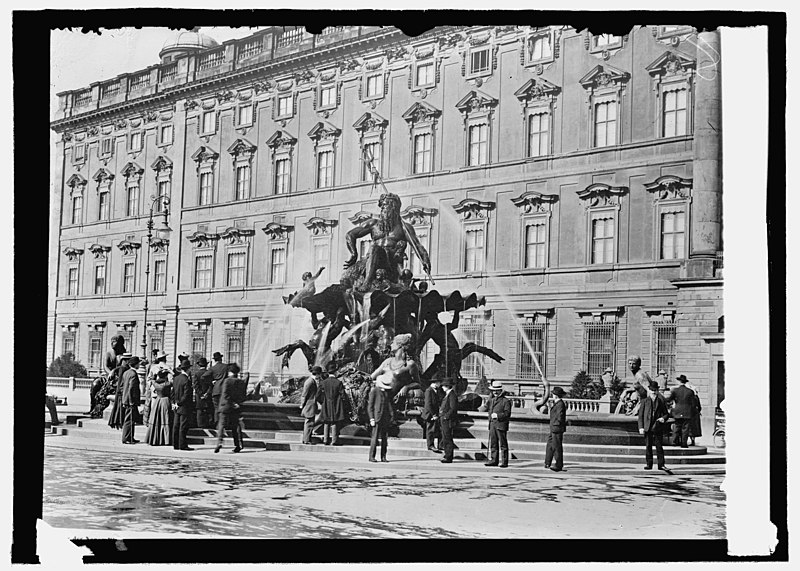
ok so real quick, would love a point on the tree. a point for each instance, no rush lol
(617, 386)
(66, 366)
(585, 387)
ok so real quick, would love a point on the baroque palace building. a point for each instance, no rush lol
(573, 179)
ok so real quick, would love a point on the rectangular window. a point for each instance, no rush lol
(105, 206)
(236, 266)
(599, 345)
(675, 113)
(327, 96)
(284, 105)
(133, 199)
(664, 348)
(321, 253)
(535, 245)
(242, 182)
(205, 188)
(472, 366)
(95, 350)
(478, 145)
(425, 74)
(156, 342)
(324, 169)
(166, 134)
(209, 121)
(68, 343)
(374, 87)
(105, 146)
(136, 141)
(79, 152)
(202, 272)
(474, 250)
(72, 282)
(673, 232)
(539, 135)
(371, 150)
(163, 192)
(605, 123)
(77, 209)
(100, 279)
(479, 61)
(159, 275)
(234, 349)
(127, 277)
(536, 335)
(414, 263)
(364, 245)
(199, 343)
(278, 265)
(422, 153)
(539, 47)
(245, 115)
(603, 40)
(603, 241)
(281, 176)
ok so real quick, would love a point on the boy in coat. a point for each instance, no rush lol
(308, 402)
(379, 408)
(498, 411)
(558, 425)
(430, 414)
(182, 404)
(329, 397)
(653, 414)
(448, 414)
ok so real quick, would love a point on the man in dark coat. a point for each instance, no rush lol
(379, 408)
(230, 400)
(448, 415)
(558, 425)
(430, 414)
(216, 375)
(131, 395)
(330, 398)
(308, 402)
(182, 404)
(683, 411)
(653, 414)
(202, 393)
(498, 411)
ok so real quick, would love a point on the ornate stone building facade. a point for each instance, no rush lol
(573, 179)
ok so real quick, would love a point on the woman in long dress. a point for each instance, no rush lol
(159, 429)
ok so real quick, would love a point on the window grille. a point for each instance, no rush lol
(199, 342)
(109, 90)
(599, 348)
(202, 271)
(83, 98)
(472, 366)
(68, 343)
(290, 37)
(479, 61)
(139, 81)
(210, 60)
(251, 47)
(156, 342)
(664, 348)
(236, 267)
(536, 333)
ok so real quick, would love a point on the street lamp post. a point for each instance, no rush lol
(164, 232)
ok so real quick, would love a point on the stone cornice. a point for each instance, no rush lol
(319, 225)
(236, 235)
(415, 214)
(277, 231)
(533, 201)
(471, 208)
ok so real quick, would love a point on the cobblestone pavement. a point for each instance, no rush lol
(223, 496)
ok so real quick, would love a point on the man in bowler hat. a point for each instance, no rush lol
(448, 415)
(683, 411)
(653, 414)
(499, 411)
(182, 404)
(131, 395)
(216, 375)
(430, 414)
(554, 451)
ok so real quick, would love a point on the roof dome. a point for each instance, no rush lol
(187, 42)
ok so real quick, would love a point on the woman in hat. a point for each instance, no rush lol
(499, 411)
(159, 429)
(399, 369)
(117, 410)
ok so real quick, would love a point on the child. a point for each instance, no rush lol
(558, 425)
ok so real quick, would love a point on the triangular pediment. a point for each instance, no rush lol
(241, 146)
(475, 100)
(203, 154)
(420, 111)
(131, 168)
(76, 180)
(280, 138)
(601, 75)
(324, 129)
(536, 88)
(671, 62)
(369, 121)
(161, 163)
(103, 174)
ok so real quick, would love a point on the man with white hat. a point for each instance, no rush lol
(379, 407)
(498, 411)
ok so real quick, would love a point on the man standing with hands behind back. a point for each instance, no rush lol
(131, 395)
(216, 375)
(499, 411)
(653, 414)
(182, 401)
(448, 413)
(558, 426)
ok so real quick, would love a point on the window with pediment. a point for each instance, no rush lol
(199, 333)
(237, 251)
(74, 255)
(477, 110)
(536, 209)
(284, 103)
(282, 147)
(421, 219)
(475, 221)
(371, 129)
(673, 82)
(133, 180)
(206, 160)
(321, 232)
(374, 82)
(422, 122)
(540, 47)
(672, 197)
(106, 147)
(236, 341)
(538, 100)
(129, 249)
(242, 153)
(325, 137)
(602, 203)
(162, 167)
(479, 57)
(69, 338)
(204, 253)
(605, 88)
(424, 69)
(328, 92)
(104, 179)
(77, 190)
(278, 251)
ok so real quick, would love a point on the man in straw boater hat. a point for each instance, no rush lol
(499, 411)
(554, 451)
(448, 415)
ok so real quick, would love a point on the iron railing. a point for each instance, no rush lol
(537, 335)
